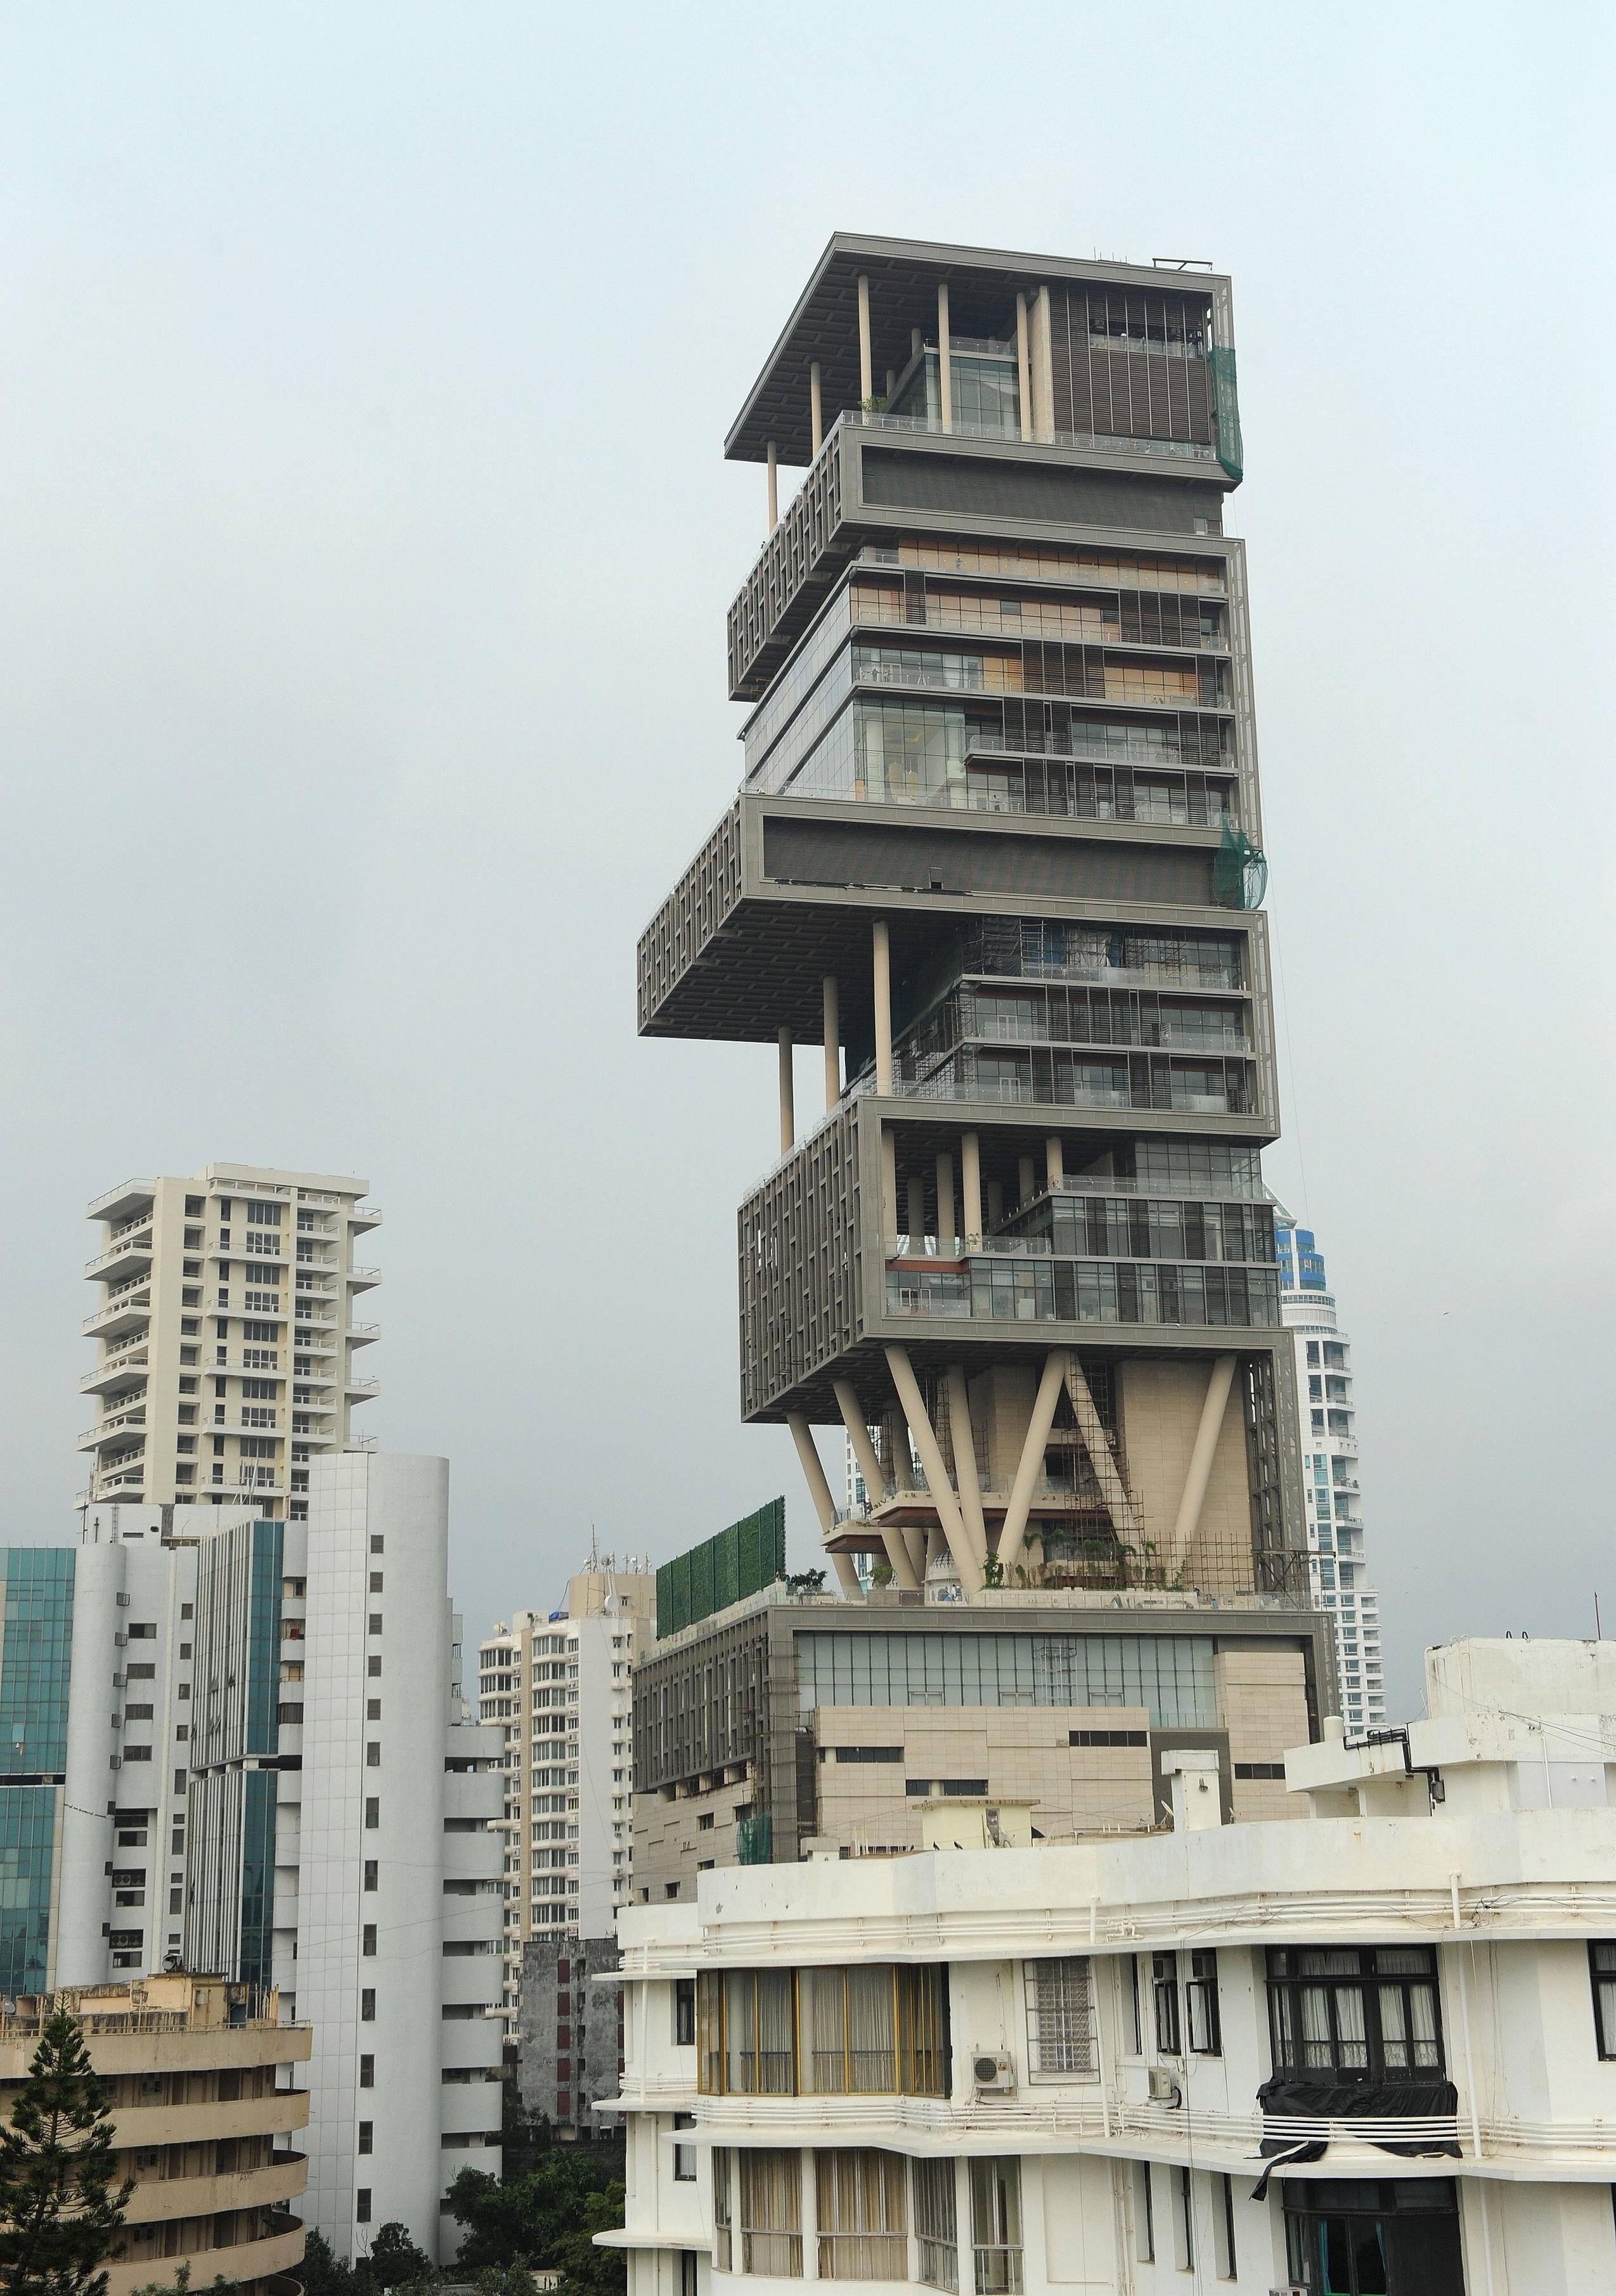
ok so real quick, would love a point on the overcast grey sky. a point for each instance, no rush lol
(365, 546)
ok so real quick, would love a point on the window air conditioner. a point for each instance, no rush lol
(993, 2072)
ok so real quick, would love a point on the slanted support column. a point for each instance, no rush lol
(967, 1559)
(1023, 368)
(788, 1096)
(1212, 1410)
(1054, 1161)
(945, 1198)
(833, 1042)
(965, 1456)
(866, 363)
(824, 1505)
(1027, 1474)
(899, 1552)
(815, 408)
(773, 488)
(971, 1188)
(882, 953)
(945, 364)
(1118, 1500)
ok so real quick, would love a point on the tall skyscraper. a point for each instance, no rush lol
(995, 855)
(226, 1336)
(1328, 1405)
(556, 1686)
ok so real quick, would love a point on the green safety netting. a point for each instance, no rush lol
(1226, 405)
(1240, 870)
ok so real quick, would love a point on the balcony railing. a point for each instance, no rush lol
(1045, 1290)
(1023, 1092)
(1088, 442)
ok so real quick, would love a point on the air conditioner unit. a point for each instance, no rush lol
(993, 2073)
(1164, 2088)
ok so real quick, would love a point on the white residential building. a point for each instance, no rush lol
(1328, 1402)
(557, 1685)
(1376, 2051)
(226, 1335)
(269, 1775)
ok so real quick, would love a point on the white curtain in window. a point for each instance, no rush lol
(863, 2221)
(771, 2212)
(936, 2225)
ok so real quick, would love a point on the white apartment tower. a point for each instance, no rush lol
(226, 1336)
(1328, 1410)
(269, 1773)
(559, 1686)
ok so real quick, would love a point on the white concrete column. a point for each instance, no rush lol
(1043, 367)
(1027, 1474)
(945, 1197)
(815, 408)
(866, 365)
(824, 1505)
(1023, 368)
(774, 489)
(970, 1189)
(945, 364)
(960, 1544)
(859, 1436)
(788, 1096)
(1218, 1383)
(889, 1182)
(882, 952)
(833, 1042)
(915, 1191)
(1055, 1162)
(811, 2215)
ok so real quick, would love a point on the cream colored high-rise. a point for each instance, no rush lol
(227, 1335)
(561, 1688)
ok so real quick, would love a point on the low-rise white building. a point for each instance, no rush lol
(1372, 2052)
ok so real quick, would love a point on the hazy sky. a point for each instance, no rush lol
(367, 543)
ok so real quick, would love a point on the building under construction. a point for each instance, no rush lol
(997, 852)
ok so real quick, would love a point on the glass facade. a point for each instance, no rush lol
(1171, 1675)
(28, 1841)
(34, 1660)
(257, 1876)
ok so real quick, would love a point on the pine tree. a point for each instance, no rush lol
(61, 2215)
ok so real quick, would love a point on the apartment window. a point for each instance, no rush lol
(1135, 2008)
(367, 1940)
(372, 1709)
(375, 1582)
(936, 2225)
(1363, 2237)
(367, 2072)
(684, 2012)
(1164, 2003)
(367, 2006)
(1602, 1974)
(373, 1667)
(720, 2210)
(373, 1754)
(362, 2205)
(1184, 2220)
(864, 2031)
(704, 1823)
(1361, 2013)
(369, 1873)
(375, 1623)
(863, 2215)
(377, 1542)
(996, 2226)
(1223, 2228)
(366, 2130)
(1201, 2004)
(684, 2155)
(771, 2212)
(372, 1812)
(1060, 2016)
(1145, 2214)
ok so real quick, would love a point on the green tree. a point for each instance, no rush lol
(60, 2213)
(530, 2220)
(322, 2272)
(394, 2260)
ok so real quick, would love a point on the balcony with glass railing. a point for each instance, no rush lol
(1025, 1289)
